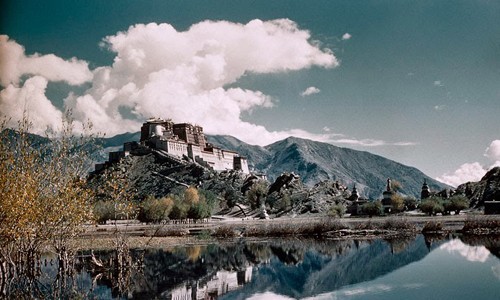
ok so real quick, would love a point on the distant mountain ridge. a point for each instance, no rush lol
(313, 161)
(317, 161)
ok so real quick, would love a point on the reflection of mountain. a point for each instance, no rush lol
(319, 273)
(293, 268)
(288, 267)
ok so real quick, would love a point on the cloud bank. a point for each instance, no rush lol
(159, 71)
(471, 253)
(346, 36)
(29, 96)
(473, 171)
(310, 91)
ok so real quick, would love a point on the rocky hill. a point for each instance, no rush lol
(316, 161)
(487, 189)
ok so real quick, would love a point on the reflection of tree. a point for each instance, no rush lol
(292, 267)
(399, 244)
(257, 253)
(431, 238)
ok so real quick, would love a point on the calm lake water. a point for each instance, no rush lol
(415, 268)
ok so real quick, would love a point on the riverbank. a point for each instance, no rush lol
(140, 235)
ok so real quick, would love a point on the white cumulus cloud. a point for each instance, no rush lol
(465, 173)
(159, 71)
(14, 63)
(493, 151)
(439, 107)
(30, 99)
(346, 36)
(310, 91)
(473, 171)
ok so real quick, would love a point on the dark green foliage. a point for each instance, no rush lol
(103, 211)
(458, 203)
(435, 205)
(284, 202)
(432, 226)
(199, 211)
(432, 206)
(179, 210)
(230, 197)
(210, 199)
(398, 224)
(372, 208)
(224, 232)
(155, 210)
(410, 203)
(257, 193)
(337, 210)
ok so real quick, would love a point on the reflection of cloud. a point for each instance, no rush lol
(268, 295)
(471, 253)
(496, 271)
(356, 291)
(369, 289)
(438, 83)
(310, 91)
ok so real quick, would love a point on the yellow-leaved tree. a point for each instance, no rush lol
(43, 194)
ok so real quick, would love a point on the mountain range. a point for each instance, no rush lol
(313, 161)
(316, 161)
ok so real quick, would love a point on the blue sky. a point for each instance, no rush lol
(415, 81)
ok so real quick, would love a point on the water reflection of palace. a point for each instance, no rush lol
(221, 283)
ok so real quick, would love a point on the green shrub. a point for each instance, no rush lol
(257, 193)
(155, 210)
(224, 232)
(410, 203)
(372, 208)
(336, 211)
(398, 224)
(103, 211)
(199, 211)
(179, 210)
(432, 226)
(432, 206)
(459, 203)
(397, 203)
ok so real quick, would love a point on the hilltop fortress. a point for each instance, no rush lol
(180, 141)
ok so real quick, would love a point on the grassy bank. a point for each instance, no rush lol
(147, 235)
